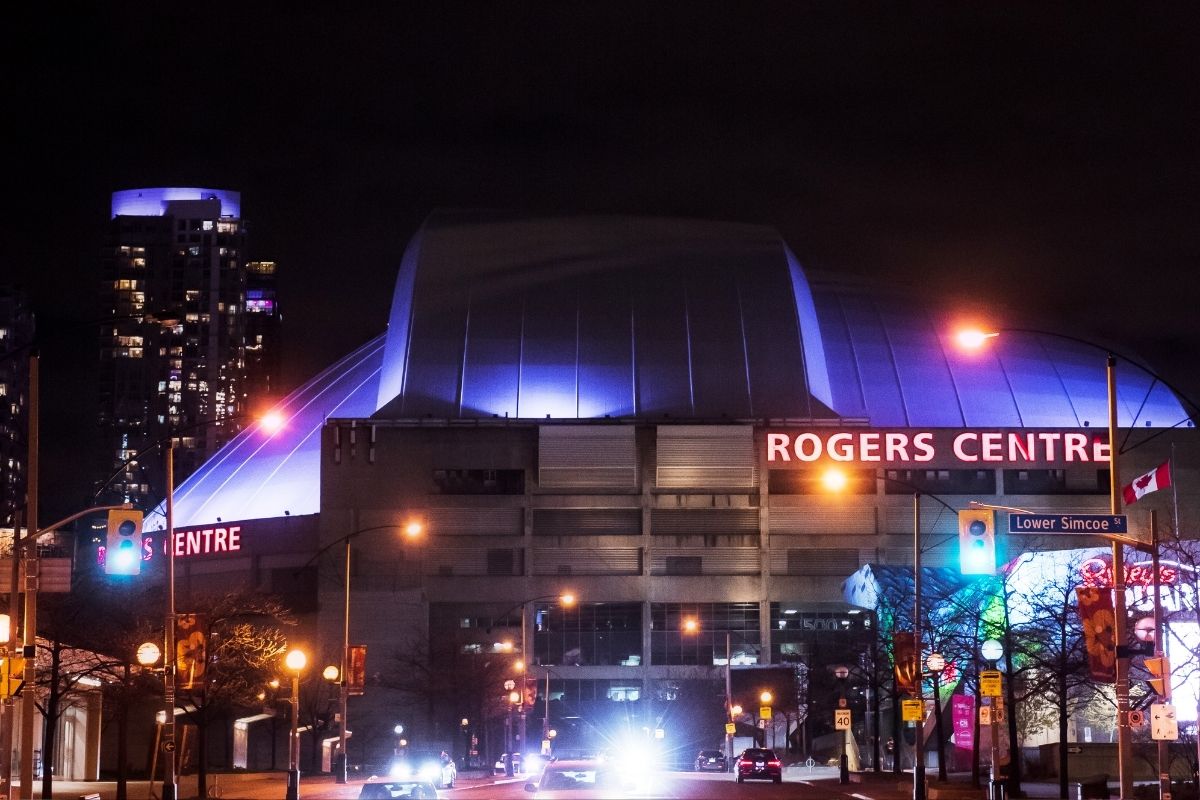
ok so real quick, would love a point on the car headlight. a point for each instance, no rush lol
(430, 771)
(532, 764)
(400, 770)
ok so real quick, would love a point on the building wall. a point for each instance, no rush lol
(673, 517)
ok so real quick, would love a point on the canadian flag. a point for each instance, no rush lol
(1152, 481)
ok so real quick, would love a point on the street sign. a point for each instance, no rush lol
(989, 683)
(911, 710)
(841, 719)
(1163, 725)
(1068, 523)
(985, 715)
(730, 728)
(764, 712)
(842, 703)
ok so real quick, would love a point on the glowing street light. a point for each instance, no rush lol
(295, 661)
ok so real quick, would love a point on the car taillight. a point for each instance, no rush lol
(774, 762)
(744, 762)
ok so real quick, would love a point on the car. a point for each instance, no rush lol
(577, 778)
(759, 763)
(711, 760)
(436, 768)
(502, 762)
(386, 790)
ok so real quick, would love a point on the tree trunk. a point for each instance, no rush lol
(123, 733)
(1014, 748)
(50, 719)
(1062, 709)
(202, 754)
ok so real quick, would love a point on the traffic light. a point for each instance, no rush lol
(1159, 669)
(123, 549)
(977, 542)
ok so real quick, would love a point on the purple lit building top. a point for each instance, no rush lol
(153, 202)
(499, 317)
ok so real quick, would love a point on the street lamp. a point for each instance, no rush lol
(974, 340)
(842, 672)
(295, 661)
(834, 480)
(691, 625)
(935, 663)
(412, 528)
(566, 599)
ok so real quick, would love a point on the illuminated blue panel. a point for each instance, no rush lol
(845, 384)
(773, 348)
(550, 354)
(815, 362)
(491, 373)
(153, 202)
(605, 347)
(925, 385)
(391, 375)
(872, 354)
(982, 386)
(257, 476)
(719, 377)
(660, 336)
(435, 351)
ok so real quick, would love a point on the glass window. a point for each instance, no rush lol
(674, 640)
(588, 634)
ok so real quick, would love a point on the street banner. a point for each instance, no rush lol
(962, 712)
(904, 662)
(356, 669)
(1096, 615)
(191, 652)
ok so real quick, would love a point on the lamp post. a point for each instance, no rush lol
(413, 529)
(566, 600)
(842, 672)
(691, 625)
(295, 662)
(936, 662)
(765, 698)
(836, 480)
(973, 340)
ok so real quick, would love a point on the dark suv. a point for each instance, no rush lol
(759, 763)
(711, 760)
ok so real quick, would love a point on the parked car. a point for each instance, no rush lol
(759, 763)
(711, 761)
(502, 763)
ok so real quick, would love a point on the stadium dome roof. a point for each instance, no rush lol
(497, 316)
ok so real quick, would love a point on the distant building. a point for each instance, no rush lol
(16, 333)
(175, 280)
(262, 331)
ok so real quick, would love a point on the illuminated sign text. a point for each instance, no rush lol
(206, 541)
(1097, 572)
(922, 447)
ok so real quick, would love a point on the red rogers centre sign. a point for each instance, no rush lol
(941, 446)
(207, 541)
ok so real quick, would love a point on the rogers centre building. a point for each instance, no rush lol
(637, 411)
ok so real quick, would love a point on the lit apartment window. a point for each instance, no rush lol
(194, 250)
(207, 225)
(139, 262)
(191, 294)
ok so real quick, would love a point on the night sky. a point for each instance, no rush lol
(1038, 163)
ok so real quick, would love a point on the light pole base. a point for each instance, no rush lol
(918, 778)
(170, 791)
(844, 769)
(293, 785)
(339, 768)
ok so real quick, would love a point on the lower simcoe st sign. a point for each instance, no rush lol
(1068, 523)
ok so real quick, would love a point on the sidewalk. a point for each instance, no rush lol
(234, 786)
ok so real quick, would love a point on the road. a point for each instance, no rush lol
(819, 784)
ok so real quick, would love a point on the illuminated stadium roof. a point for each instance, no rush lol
(649, 319)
